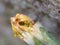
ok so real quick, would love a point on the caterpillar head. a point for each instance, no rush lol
(21, 23)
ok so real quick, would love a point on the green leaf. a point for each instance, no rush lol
(37, 42)
(48, 38)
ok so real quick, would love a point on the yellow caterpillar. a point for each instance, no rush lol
(21, 23)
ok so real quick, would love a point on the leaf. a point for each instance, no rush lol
(37, 42)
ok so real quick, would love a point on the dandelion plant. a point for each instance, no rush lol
(33, 33)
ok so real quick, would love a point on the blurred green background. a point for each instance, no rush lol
(47, 12)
